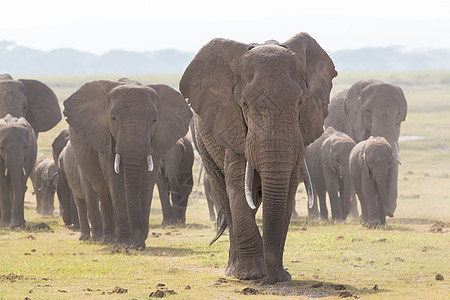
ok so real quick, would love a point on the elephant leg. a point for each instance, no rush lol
(107, 216)
(5, 203)
(73, 211)
(83, 217)
(163, 189)
(38, 202)
(93, 213)
(248, 259)
(353, 210)
(370, 200)
(209, 201)
(322, 195)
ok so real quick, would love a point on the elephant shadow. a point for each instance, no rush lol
(155, 251)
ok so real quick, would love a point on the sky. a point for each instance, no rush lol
(99, 26)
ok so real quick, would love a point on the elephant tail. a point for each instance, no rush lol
(221, 230)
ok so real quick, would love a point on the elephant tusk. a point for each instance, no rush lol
(308, 185)
(397, 154)
(6, 172)
(150, 163)
(24, 172)
(117, 164)
(248, 186)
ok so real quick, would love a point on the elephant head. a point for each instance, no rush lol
(18, 150)
(265, 102)
(30, 99)
(45, 177)
(378, 162)
(135, 123)
(375, 108)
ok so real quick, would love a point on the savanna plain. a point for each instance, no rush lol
(326, 260)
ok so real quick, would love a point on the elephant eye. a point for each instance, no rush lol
(155, 120)
(113, 118)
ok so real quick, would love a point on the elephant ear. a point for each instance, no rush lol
(208, 83)
(326, 153)
(59, 143)
(43, 111)
(85, 112)
(174, 116)
(320, 72)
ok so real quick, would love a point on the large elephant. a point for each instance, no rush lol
(371, 167)
(45, 176)
(371, 108)
(67, 206)
(18, 150)
(175, 181)
(119, 131)
(327, 160)
(30, 99)
(84, 195)
(256, 107)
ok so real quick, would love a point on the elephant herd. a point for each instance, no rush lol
(258, 117)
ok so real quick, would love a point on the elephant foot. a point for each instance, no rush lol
(107, 239)
(97, 237)
(246, 269)
(19, 224)
(84, 237)
(280, 276)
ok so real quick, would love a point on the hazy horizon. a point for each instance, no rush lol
(101, 26)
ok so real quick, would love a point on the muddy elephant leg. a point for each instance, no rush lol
(38, 202)
(164, 196)
(108, 219)
(322, 195)
(248, 259)
(336, 208)
(393, 188)
(83, 217)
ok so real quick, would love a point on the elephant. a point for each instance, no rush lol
(30, 99)
(67, 206)
(175, 181)
(372, 165)
(44, 177)
(18, 151)
(84, 195)
(256, 107)
(371, 108)
(119, 131)
(328, 162)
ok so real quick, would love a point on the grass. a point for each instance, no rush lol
(401, 261)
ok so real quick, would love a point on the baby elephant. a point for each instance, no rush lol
(45, 181)
(85, 197)
(327, 161)
(371, 165)
(175, 181)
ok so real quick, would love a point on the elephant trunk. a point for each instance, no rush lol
(132, 169)
(383, 194)
(276, 163)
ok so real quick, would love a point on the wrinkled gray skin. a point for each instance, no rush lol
(30, 99)
(45, 178)
(254, 104)
(67, 206)
(327, 159)
(371, 108)
(175, 181)
(84, 195)
(18, 150)
(371, 167)
(119, 131)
